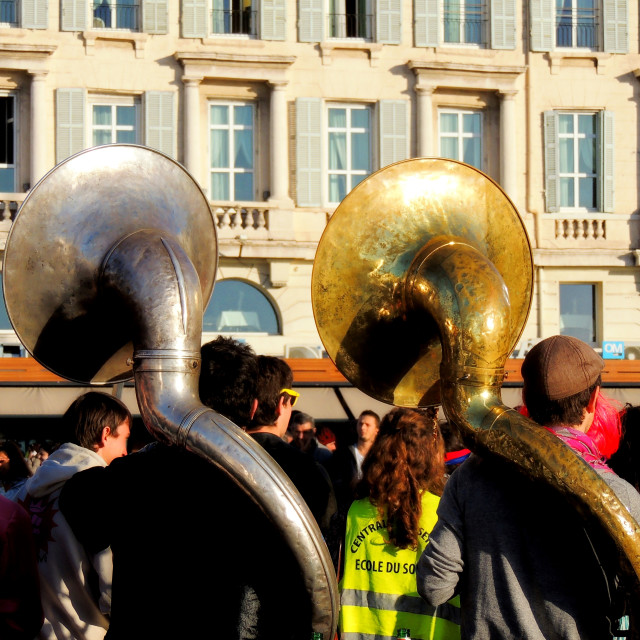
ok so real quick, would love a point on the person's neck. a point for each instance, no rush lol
(264, 429)
(363, 446)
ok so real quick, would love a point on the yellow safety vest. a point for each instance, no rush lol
(378, 593)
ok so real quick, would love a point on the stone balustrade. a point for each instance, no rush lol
(9, 205)
(250, 220)
(580, 228)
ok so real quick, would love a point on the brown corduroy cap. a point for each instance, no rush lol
(561, 366)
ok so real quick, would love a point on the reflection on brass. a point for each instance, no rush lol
(421, 288)
(108, 267)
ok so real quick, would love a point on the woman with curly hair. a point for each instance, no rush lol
(388, 527)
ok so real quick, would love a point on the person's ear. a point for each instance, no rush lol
(254, 408)
(106, 432)
(593, 400)
(282, 401)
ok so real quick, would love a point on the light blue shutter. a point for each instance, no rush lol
(426, 22)
(194, 19)
(34, 14)
(551, 161)
(155, 16)
(273, 22)
(310, 21)
(616, 26)
(73, 15)
(70, 118)
(388, 21)
(394, 131)
(503, 24)
(543, 18)
(159, 121)
(606, 140)
(309, 152)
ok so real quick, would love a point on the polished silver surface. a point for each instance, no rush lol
(108, 268)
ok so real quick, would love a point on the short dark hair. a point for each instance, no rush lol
(228, 378)
(89, 414)
(301, 418)
(373, 414)
(274, 375)
(17, 464)
(568, 411)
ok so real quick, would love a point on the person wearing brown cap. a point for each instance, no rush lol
(522, 561)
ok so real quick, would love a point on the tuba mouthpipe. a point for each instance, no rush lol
(457, 286)
(154, 280)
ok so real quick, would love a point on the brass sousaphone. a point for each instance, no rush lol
(109, 265)
(421, 288)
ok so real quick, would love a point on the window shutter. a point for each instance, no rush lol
(543, 17)
(394, 131)
(551, 161)
(194, 19)
(615, 26)
(606, 140)
(70, 117)
(426, 25)
(309, 152)
(273, 22)
(159, 121)
(503, 24)
(310, 21)
(34, 14)
(74, 15)
(155, 16)
(388, 21)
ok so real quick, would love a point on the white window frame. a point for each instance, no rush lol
(348, 172)
(114, 102)
(573, 12)
(576, 175)
(460, 135)
(98, 23)
(16, 15)
(231, 170)
(14, 165)
(484, 26)
(337, 25)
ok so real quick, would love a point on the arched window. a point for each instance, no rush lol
(239, 307)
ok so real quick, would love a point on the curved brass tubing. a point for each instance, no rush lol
(459, 288)
(148, 269)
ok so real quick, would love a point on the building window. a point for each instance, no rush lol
(349, 149)
(578, 311)
(579, 161)
(123, 14)
(114, 123)
(7, 144)
(461, 136)
(578, 166)
(350, 19)
(577, 24)
(231, 150)
(240, 307)
(234, 17)
(464, 21)
(8, 13)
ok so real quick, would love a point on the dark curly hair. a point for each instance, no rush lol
(406, 459)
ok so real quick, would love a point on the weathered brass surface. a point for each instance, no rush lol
(421, 288)
(382, 346)
(108, 268)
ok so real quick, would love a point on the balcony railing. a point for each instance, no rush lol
(350, 25)
(577, 28)
(115, 16)
(234, 21)
(246, 219)
(9, 12)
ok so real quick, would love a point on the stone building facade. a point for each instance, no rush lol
(278, 108)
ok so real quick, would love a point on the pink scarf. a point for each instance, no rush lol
(583, 445)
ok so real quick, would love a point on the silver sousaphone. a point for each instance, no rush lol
(108, 267)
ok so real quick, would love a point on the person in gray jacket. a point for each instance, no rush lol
(523, 561)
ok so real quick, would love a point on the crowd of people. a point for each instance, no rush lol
(425, 535)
